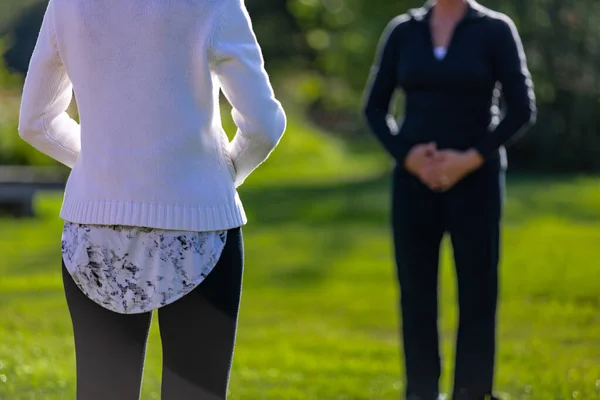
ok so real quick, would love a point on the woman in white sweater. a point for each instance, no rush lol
(152, 215)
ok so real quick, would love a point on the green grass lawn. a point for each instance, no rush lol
(319, 311)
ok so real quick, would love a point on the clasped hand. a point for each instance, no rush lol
(440, 170)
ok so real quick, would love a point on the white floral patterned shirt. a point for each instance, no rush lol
(132, 270)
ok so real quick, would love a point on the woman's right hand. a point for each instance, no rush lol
(422, 162)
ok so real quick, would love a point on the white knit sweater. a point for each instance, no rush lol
(150, 149)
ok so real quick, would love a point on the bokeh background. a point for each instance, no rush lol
(319, 314)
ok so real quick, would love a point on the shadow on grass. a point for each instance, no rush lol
(326, 219)
(356, 202)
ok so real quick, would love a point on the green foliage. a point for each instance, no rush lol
(319, 310)
(13, 150)
(10, 10)
(9, 80)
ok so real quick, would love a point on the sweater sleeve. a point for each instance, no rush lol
(510, 66)
(47, 93)
(380, 89)
(237, 61)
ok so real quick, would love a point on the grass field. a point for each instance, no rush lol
(319, 311)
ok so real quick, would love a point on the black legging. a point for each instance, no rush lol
(470, 212)
(197, 332)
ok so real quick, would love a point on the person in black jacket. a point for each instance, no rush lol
(451, 59)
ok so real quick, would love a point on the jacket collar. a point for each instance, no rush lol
(474, 11)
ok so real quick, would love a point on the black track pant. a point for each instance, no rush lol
(197, 332)
(470, 212)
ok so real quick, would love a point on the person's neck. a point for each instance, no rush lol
(450, 8)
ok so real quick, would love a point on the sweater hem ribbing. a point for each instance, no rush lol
(158, 216)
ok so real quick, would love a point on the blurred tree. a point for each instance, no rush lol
(23, 33)
(11, 9)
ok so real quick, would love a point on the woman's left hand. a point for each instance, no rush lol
(454, 165)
